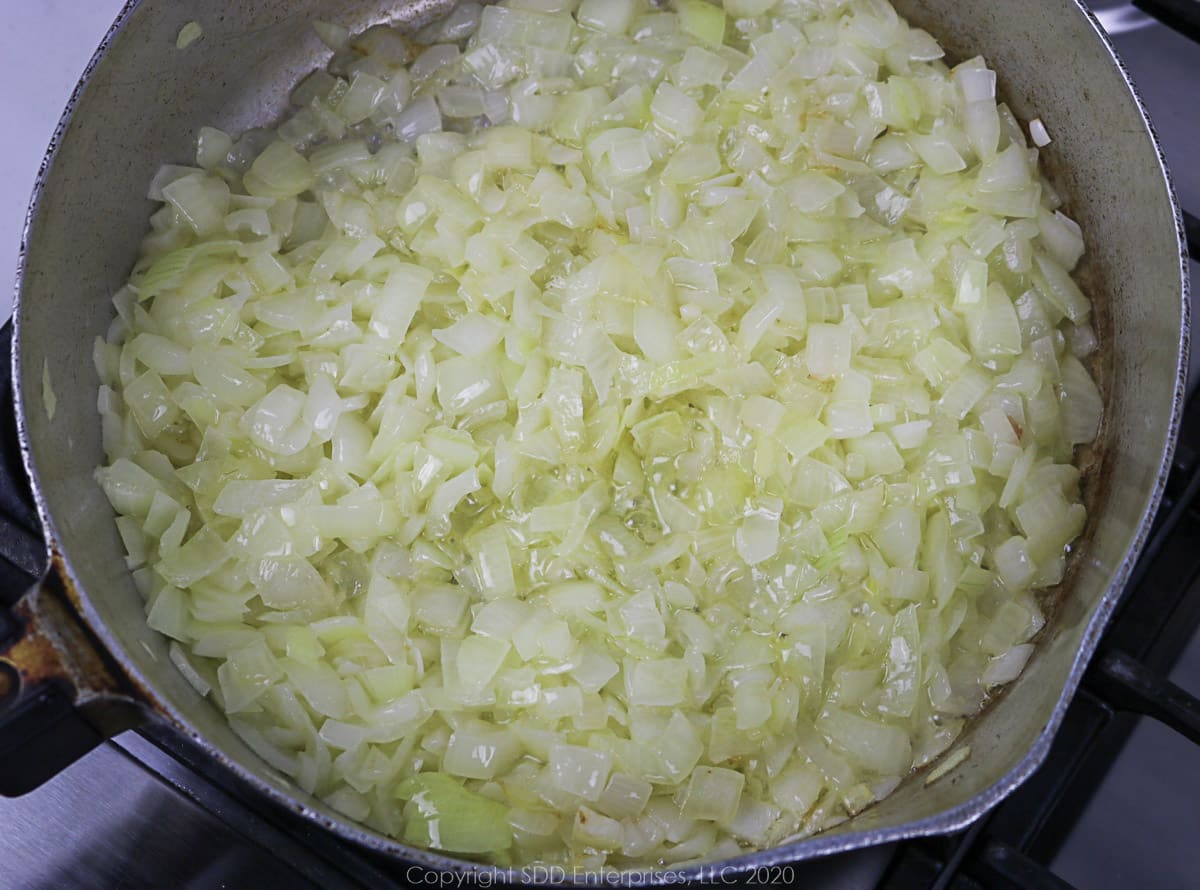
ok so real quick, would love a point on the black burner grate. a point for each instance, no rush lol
(1181, 15)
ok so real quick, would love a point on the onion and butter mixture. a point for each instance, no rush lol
(603, 434)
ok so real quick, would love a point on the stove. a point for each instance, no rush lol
(1116, 802)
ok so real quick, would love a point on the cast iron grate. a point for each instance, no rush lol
(1181, 15)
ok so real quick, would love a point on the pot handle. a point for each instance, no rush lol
(59, 696)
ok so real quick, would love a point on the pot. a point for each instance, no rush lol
(77, 660)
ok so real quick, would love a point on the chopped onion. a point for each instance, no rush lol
(618, 435)
(1038, 133)
(188, 34)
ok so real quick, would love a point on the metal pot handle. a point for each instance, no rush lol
(59, 696)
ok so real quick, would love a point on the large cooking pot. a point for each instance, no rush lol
(79, 661)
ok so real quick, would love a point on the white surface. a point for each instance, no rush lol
(44, 47)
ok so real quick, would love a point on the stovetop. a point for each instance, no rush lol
(1116, 804)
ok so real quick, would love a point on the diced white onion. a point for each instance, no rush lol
(621, 434)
